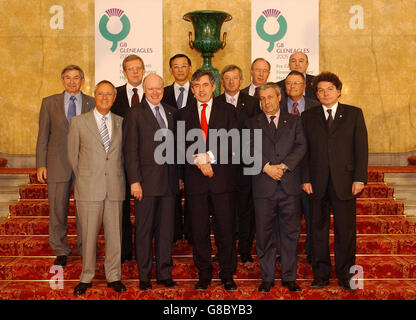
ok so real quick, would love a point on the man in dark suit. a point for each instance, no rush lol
(298, 61)
(128, 96)
(179, 95)
(154, 186)
(259, 72)
(52, 163)
(334, 173)
(295, 103)
(246, 107)
(207, 178)
(276, 189)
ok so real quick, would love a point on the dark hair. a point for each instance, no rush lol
(232, 67)
(200, 73)
(268, 85)
(131, 58)
(296, 73)
(328, 77)
(72, 67)
(179, 55)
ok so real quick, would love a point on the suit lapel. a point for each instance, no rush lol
(169, 117)
(60, 106)
(339, 117)
(85, 107)
(282, 124)
(149, 116)
(264, 124)
(214, 115)
(320, 118)
(91, 124)
(115, 132)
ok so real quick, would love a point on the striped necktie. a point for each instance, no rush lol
(104, 134)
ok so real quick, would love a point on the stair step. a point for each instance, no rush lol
(365, 225)
(400, 178)
(371, 190)
(39, 268)
(366, 244)
(247, 290)
(9, 193)
(13, 179)
(29, 207)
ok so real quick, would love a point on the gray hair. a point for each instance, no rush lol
(105, 81)
(72, 67)
(232, 67)
(268, 85)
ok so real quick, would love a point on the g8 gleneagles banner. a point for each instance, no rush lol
(127, 27)
(280, 28)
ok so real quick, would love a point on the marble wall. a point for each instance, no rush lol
(376, 63)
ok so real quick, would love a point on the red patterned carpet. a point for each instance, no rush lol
(386, 250)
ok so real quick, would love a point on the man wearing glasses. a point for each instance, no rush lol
(128, 95)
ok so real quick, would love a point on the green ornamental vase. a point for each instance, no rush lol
(207, 25)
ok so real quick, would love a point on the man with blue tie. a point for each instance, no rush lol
(179, 95)
(154, 186)
(51, 155)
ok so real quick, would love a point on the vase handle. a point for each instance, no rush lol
(191, 42)
(224, 40)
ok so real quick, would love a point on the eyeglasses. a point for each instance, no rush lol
(134, 69)
(298, 83)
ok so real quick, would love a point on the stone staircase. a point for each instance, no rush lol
(404, 184)
(9, 191)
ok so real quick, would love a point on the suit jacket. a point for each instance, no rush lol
(309, 103)
(121, 105)
(169, 96)
(340, 152)
(246, 90)
(288, 146)
(223, 116)
(97, 173)
(309, 93)
(51, 147)
(140, 128)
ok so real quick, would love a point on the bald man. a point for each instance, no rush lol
(154, 186)
(299, 61)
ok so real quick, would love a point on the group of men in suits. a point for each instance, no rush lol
(310, 158)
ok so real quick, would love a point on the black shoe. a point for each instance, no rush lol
(266, 286)
(81, 288)
(278, 260)
(125, 259)
(60, 261)
(291, 285)
(168, 283)
(117, 286)
(319, 284)
(246, 258)
(202, 284)
(229, 284)
(215, 259)
(145, 285)
(345, 284)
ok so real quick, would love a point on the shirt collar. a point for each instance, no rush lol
(67, 96)
(130, 87)
(209, 104)
(177, 86)
(99, 115)
(333, 108)
(228, 97)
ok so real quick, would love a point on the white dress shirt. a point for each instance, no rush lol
(129, 89)
(230, 99)
(333, 108)
(185, 93)
(98, 118)
(252, 89)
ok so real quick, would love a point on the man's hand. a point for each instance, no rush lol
(41, 173)
(357, 187)
(136, 191)
(307, 187)
(181, 185)
(273, 171)
(202, 162)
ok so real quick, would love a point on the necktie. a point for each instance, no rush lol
(204, 123)
(232, 99)
(135, 99)
(256, 92)
(180, 97)
(72, 110)
(330, 119)
(105, 136)
(159, 119)
(272, 126)
(295, 109)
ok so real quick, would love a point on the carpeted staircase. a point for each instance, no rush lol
(386, 250)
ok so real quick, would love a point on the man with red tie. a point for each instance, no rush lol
(206, 179)
(128, 95)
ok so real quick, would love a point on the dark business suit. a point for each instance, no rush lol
(181, 228)
(309, 103)
(309, 93)
(278, 199)
(121, 107)
(51, 152)
(336, 158)
(247, 107)
(220, 189)
(160, 185)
